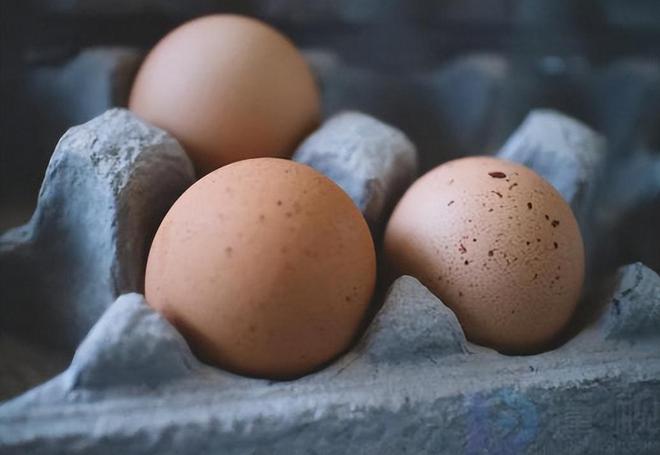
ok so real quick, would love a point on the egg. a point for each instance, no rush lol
(228, 88)
(265, 266)
(497, 244)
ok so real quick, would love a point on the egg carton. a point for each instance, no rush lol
(467, 104)
(412, 383)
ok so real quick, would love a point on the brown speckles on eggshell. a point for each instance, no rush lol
(258, 268)
(516, 251)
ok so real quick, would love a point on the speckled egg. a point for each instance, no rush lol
(265, 266)
(497, 244)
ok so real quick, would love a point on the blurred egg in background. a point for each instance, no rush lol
(228, 88)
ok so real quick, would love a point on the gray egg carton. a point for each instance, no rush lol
(411, 384)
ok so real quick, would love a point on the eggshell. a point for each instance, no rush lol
(497, 244)
(265, 266)
(228, 88)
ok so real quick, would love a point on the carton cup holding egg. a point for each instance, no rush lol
(266, 266)
(246, 91)
(498, 244)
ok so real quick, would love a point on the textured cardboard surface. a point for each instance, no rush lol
(107, 186)
(373, 162)
(412, 383)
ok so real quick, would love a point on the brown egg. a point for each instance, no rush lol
(497, 244)
(265, 266)
(228, 88)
